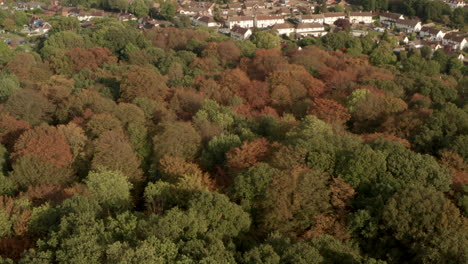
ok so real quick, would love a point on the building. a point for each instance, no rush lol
(206, 21)
(268, 21)
(310, 29)
(242, 21)
(252, 5)
(454, 4)
(234, 6)
(330, 18)
(127, 17)
(284, 29)
(434, 45)
(455, 42)
(360, 17)
(431, 33)
(391, 17)
(402, 39)
(408, 26)
(240, 33)
(194, 8)
(315, 18)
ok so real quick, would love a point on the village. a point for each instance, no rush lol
(289, 19)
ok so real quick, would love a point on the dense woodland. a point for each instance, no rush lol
(177, 145)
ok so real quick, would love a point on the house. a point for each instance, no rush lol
(284, 29)
(315, 18)
(330, 18)
(310, 29)
(250, 5)
(390, 17)
(434, 45)
(284, 2)
(35, 5)
(454, 41)
(87, 16)
(431, 33)
(242, 21)
(268, 21)
(37, 26)
(283, 11)
(43, 28)
(402, 39)
(415, 44)
(408, 26)
(454, 4)
(359, 33)
(360, 17)
(194, 8)
(234, 6)
(127, 17)
(147, 22)
(240, 33)
(206, 21)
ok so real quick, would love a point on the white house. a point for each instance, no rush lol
(197, 9)
(284, 29)
(234, 6)
(454, 4)
(408, 26)
(268, 21)
(127, 17)
(360, 17)
(240, 33)
(434, 45)
(249, 5)
(314, 18)
(456, 42)
(242, 21)
(330, 18)
(431, 33)
(206, 21)
(87, 16)
(310, 29)
(390, 17)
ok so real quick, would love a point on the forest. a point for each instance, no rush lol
(180, 145)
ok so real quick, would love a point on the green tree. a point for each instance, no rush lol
(139, 8)
(30, 106)
(382, 55)
(110, 188)
(65, 24)
(21, 19)
(62, 40)
(215, 151)
(8, 85)
(30, 170)
(415, 215)
(167, 10)
(177, 139)
(6, 53)
(265, 40)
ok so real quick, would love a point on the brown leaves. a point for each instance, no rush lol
(45, 143)
(11, 129)
(185, 174)
(330, 111)
(143, 82)
(112, 151)
(247, 155)
(18, 215)
(92, 58)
